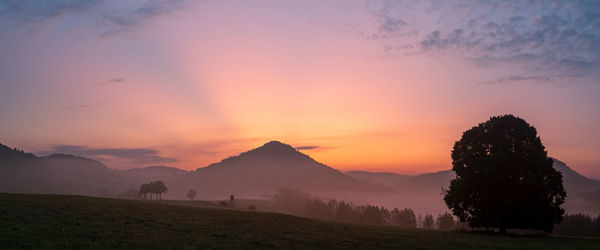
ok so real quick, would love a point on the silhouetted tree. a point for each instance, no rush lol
(504, 178)
(191, 194)
(576, 224)
(428, 221)
(158, 188)
(596, 226)
(371, 215)
(144, 189)
(345, 212)
(445, 221)
(404, 218)
(385, 216)
(408, 218)
(300, 203)
(318, 209)
(292, 200)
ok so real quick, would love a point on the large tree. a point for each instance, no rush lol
(504, 178)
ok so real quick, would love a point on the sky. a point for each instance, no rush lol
(370, 85)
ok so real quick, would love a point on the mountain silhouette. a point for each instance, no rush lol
(271, 166)
(575, 182)
(388, 179)
(254, 173)
(22, 172)
(10, 156)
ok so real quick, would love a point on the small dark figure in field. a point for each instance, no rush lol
(191, 194)
(251, 207)
(158, 188)
(231, 201)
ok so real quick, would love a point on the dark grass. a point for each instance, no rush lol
(77, 222)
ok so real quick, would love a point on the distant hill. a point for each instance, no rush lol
(274, 165)
(385, 178)
(252, 174)
(426, 182)
(22, 172)
(576, 183)
(151, 173)
(583, 194)
(80, 175)
(9, 157)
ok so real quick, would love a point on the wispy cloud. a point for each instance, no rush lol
(32, 10)
(80, 106)
(548, 78)
(314, 148)
(135, 156)
(112, 81)
(307, 147)
(109, 17)
(117, 80)
(128, 19)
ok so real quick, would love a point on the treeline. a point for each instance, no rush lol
(303, 204)
(578, 225)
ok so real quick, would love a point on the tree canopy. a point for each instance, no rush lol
(504, 178)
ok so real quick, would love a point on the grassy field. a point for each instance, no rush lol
(77, 222)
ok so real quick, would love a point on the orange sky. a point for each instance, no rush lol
(220, 78)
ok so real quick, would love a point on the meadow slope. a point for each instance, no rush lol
(78, 222)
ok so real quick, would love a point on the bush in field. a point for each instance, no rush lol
(191, 194)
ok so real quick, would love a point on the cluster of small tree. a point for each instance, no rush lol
(303, 204)
(578, 225)
(157, 188)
